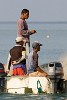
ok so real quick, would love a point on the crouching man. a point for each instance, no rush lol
(17, 52)
(33, 69)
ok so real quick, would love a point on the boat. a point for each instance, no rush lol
(54, 83)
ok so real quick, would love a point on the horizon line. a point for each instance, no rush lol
(36, 21)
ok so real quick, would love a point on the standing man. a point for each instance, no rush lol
(23, 30)
(17, 52)
(33, 69)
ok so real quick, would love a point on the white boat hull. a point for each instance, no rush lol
(22, 85)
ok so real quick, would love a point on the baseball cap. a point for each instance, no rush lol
(19, 39)
(36, 44)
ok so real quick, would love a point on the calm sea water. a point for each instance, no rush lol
(53, 36)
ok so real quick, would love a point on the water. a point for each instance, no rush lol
(53, 36)
(4, 96)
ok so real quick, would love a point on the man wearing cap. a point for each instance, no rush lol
(17, 52)
(33, 69)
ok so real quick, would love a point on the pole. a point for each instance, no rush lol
(27, 53)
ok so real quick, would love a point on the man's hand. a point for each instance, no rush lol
(33, 31)
(7, 72)
(14, 62)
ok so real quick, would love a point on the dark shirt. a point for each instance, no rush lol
(32, 62)
(35, 59)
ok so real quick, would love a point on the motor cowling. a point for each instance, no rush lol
(55, 73)
(2, 70)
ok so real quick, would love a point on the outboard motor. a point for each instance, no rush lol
(55, 74)
(2, 78)
(53, 77)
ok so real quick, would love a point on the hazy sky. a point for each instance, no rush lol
(40, 10)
